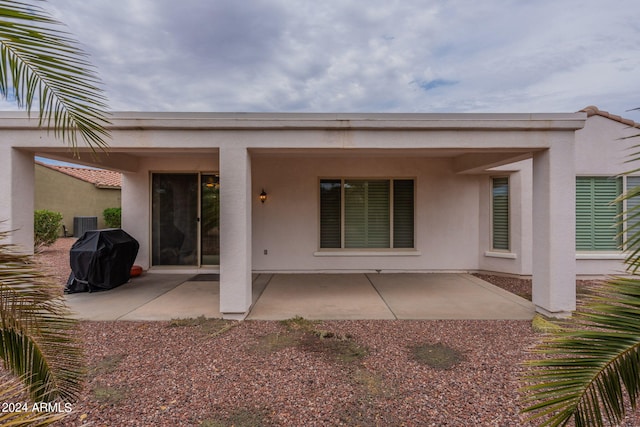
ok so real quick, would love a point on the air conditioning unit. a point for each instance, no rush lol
(84, 223)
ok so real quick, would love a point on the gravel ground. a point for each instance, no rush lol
(219, 373)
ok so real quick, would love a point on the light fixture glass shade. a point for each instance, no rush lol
(212, 181)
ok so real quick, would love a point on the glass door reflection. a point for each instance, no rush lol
(210, 219)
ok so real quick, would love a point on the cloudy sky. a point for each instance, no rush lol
(362, 56)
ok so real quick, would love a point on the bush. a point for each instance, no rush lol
(46, 226)
(112, 217)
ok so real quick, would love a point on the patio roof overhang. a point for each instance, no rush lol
(477, 142)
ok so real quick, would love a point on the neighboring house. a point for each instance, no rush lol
(76, 192)
(354, 192)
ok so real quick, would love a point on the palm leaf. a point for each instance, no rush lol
(11, 391)
(41, 65)
(37, 340)
(589, 371)
(592, 368)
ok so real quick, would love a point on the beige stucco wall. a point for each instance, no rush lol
(446, 222)
(287, 225)
(17, 176)
(291, 181)
(72, 197)
(518, 259)
(602, 149)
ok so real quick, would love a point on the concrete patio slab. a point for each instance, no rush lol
(187, 300)
(312, 296)
(448, 296)
(116, 303)
(320, 296)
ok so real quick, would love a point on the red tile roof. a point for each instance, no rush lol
(99, 177)
(592, 110)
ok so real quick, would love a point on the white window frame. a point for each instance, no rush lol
(366, 251)
(500, 252)
(625, 205)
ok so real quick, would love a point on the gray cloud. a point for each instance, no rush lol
(336, 55)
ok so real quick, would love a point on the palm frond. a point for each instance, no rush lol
(42, 66)
(630, 225)
(590, 370)
(11, 392)
(37, 339)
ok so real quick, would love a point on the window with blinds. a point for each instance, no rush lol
(403, 209)
(597, 226)
(366, 213)
(633, 209)
(500, 213)
(330, 211)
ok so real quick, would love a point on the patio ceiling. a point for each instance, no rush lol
(466, 161)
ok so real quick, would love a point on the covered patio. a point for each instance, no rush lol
(355, 296)
(439, 166)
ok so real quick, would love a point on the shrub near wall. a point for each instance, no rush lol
(46, 226)
(112, 217)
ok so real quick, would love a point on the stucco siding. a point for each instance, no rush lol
(517, 260)
(287, 225)
(602, 147)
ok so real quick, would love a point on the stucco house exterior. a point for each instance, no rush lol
(287, 192)
(76, 192)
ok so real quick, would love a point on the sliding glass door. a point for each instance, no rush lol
(210, 224)
(184, 226)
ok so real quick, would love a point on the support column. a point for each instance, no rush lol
(17, 192)
(135, 199)
(235, 232)
(554, 223)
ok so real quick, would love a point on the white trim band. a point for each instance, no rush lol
(507, 255)
(367, 253)
(600, 255)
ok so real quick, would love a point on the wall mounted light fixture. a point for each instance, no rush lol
(212, 181)
(263, 196)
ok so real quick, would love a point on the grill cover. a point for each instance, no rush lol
(101, 260)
